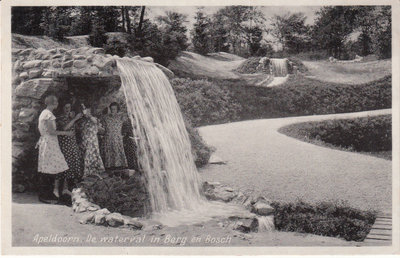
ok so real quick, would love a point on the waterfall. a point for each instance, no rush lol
(164, 149)
(279, 67)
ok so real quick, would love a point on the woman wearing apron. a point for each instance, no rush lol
(51, 160)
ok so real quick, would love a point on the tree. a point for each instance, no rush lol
(332, 26)
(97, 36)
(201, 33)
(82, 21)
(291, 32)
(234, 22)
(27, 20)
(56, 21)
(173, 30)
(219, 34)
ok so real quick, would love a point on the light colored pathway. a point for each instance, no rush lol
(261, 159)
(349, 73)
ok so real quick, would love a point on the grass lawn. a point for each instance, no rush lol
(370, 135)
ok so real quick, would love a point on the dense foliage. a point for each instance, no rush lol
(204, 102)
(118, 192)
(207, 102)
(367, 134)
(339, 31)
(325, 218)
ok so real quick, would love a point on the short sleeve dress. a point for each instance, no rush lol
(93, 164)
(69, 147)
(113, 142)
(51, 159)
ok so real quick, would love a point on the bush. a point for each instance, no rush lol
(367, 134)
(334, 219)
(206, 102)
(203, 102)
(200, 150)
(118, 192)
(249, 66)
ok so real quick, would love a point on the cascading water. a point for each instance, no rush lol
(279, 66)
(164, 150)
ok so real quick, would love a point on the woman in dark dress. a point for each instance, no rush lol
(68, 144)
(114, 153)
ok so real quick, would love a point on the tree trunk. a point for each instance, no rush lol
(128, 20)
(123, 18)
(139, 31)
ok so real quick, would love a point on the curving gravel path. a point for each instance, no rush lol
(282, 168)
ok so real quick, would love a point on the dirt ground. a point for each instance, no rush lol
(33, 222)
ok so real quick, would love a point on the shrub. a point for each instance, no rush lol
(335, 219)
(200, 150)
(367, 134)
(118, 192)
(249, 66)
(203, 102)
(206, 102)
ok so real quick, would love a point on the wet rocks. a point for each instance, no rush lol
(261, 217)
(217, 192)
(246, 225)
(262, 208)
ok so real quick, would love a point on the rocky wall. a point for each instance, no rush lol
(39, 72)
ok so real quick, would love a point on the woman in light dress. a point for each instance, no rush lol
(51, 160)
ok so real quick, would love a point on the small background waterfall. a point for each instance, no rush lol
(279, 66)
(164, 150)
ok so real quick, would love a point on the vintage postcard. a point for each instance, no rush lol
(200, 127)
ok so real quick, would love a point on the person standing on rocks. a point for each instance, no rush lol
(69, 146)
(51, 160)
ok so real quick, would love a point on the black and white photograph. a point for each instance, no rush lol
(235, 125)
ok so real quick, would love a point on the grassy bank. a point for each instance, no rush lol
(334, 219)
(369, 135)
(206, 102)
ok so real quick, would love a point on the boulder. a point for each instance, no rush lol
(133, 223)
(32, 64)
(103, 211)
(67, 64)
(217, 192)
(36, 88)
(114, 219)
(23, 76)
(26, 52)
(56, 56)
(80, 64)
(246, 225)
(35, 73)
(50, 73)
(102, 62)
(17, 65)
(56, 63)
(46, 63)
(78, 57)
(99, 219)
(95, 51)
(262, 208)
(27, 115)
(87, 218)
